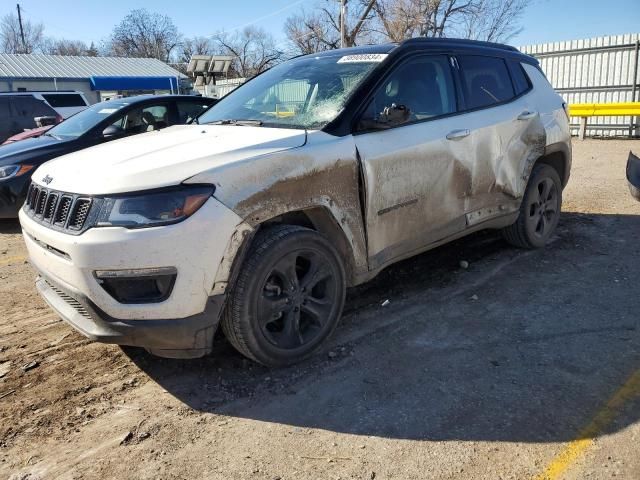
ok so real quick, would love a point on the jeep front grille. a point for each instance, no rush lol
(79, 215)
(60, 210)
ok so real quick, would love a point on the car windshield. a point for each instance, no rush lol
(82, 122)
(307, 92)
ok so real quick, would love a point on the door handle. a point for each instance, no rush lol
(458, 134)
(527, 115)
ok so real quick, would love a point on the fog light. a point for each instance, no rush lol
(141, 285)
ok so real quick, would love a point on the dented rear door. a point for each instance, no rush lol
(507, 136)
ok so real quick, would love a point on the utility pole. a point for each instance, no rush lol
(24, 44)
(343, 16)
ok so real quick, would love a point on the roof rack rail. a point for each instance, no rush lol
(461, 41)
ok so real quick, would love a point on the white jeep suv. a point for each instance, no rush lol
(310, 178)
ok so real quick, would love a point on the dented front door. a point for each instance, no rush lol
(415, 188)
(415, 182)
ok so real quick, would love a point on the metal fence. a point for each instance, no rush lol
(595, 70)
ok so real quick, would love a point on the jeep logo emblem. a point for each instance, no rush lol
(47, 179)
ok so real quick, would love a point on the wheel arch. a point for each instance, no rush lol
(321, 220)
(558, 156)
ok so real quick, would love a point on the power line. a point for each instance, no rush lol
(272, 14)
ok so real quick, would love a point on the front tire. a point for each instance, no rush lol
(539, 210)
(288, 297)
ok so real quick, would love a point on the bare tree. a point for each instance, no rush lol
(194, 46)
(494, 20)
(144, 34)
(309, 33)
(10, 37)
(398, 20)
(320, 28)
(65, 47)
(92, 51)
(254, 50)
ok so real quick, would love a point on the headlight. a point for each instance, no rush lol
(9, 171)
(151, 209)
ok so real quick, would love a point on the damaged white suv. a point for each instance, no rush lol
(310, 178)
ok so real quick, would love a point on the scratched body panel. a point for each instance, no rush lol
(396, 192)
(324, 173)
(422, 188)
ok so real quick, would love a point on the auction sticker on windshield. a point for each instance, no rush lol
(364, 57)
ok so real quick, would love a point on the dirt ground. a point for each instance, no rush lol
(524, 365)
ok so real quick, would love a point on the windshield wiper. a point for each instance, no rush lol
(47, 134)
(242, 123)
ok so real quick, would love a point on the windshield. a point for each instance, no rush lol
(307, 92)
(82, 122)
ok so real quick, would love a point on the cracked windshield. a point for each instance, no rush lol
(307, 93)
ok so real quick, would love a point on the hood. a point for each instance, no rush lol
(28, 148)
(163, 158)
(31, 133)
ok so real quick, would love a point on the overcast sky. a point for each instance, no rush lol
(543, 21)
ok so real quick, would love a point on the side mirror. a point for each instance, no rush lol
(394, 115)
(112, 131)
(391, 116)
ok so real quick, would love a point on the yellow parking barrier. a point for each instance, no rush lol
(586, 110)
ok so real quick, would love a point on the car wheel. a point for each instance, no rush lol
(539, 211)
(288, 297)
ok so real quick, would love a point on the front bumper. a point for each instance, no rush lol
(181, 325)
(633, 175)
(190, 337)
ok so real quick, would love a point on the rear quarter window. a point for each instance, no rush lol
(485, 80)
(187, 111)
(521, 81)
(65, 100)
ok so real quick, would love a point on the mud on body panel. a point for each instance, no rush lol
(324, 174)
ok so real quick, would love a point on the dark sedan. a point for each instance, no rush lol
(633, 175)
(99, 123)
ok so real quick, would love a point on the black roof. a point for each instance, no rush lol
(364, 49)
(449, 44)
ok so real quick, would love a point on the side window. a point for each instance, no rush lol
(485, 80)
(520, 80)
(419, 89)
(187, 111)
(145, 119)
(64, 100)
(26, 108)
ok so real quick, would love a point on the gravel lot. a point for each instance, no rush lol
(524, 365)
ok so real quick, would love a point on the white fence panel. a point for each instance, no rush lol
(594, 70)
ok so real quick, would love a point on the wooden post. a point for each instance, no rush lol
(583, 128)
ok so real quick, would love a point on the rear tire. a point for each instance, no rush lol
(539, 210)
(288, 297)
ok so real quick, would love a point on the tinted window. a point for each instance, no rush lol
(82, 122)
(187, 111)
(485, 80)
(519, 77)
(5, 119)
(29, 107)
(147, 119)
(424, 85)
(65, 100)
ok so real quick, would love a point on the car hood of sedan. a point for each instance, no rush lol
(163, 158)
(28, 148)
